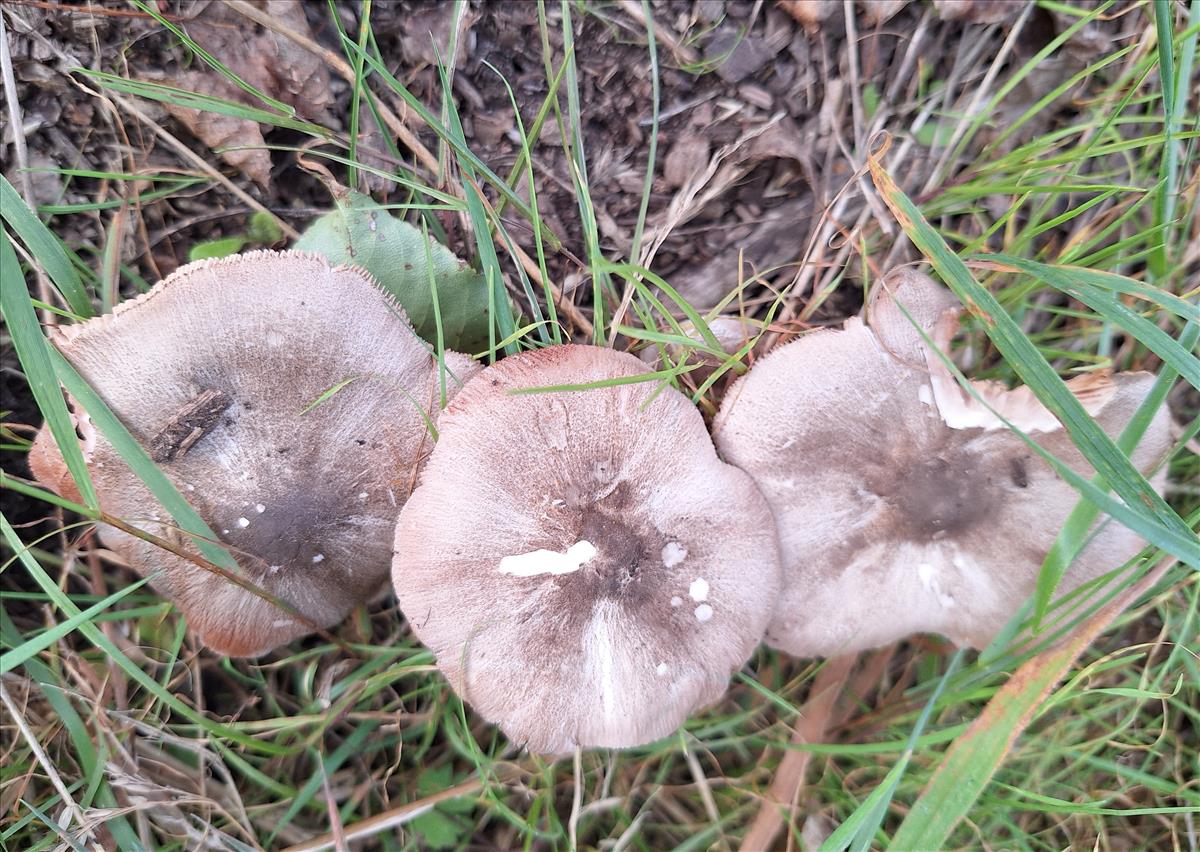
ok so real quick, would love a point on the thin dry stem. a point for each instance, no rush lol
(789, 777)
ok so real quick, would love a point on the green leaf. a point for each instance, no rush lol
(263, 228)
(362, 233)
(437, 830)
(216, 248)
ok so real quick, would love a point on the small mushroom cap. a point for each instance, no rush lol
(585, 569)
(903, 505)
(224, 373)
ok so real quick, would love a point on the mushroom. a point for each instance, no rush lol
(903, 504)
(583, 566)
(287, 400)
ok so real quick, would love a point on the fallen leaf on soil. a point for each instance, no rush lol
(783, 140)
(978, 11)
(267, 61)
(362, 233)
(428, 26)
(238, 141)
(810, 13)
(686, 157)
(738, 56)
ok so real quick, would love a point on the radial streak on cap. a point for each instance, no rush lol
(903, 504)
(601, 654)
(223, 372)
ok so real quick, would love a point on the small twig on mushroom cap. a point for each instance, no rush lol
(307, 496)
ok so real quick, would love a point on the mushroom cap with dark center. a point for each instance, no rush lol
(585, 569)
(286, 400)
(903, 505)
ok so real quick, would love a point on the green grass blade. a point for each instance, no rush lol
(134, 671)
(860, 828)
(18, 655)
(210, 60)
(206, 103)
(77, 732)
(1164, 202)
(36, 356)
(973, 759)
(44, 246)
(1107, 282)
(1020, 352)
(1178, 357)
(502, 315)
(141, 464)
(377, 66)
(352, 747)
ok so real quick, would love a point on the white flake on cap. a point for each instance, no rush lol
(673, 553)
(544, 561)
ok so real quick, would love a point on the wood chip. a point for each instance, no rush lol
(191, 423)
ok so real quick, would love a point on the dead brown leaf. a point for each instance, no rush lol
(427, 34)
(978, 11)
(809, 13)
(876, 12)
(267, 61)
(686, 158)
(238, 142)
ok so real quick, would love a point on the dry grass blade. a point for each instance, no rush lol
(975, 756)
(73, 811)
(342, 67)
(396, 817)
(779, 805)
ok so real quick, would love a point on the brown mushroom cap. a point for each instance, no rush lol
(216, 371)
(903, 505)
(585, 569)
